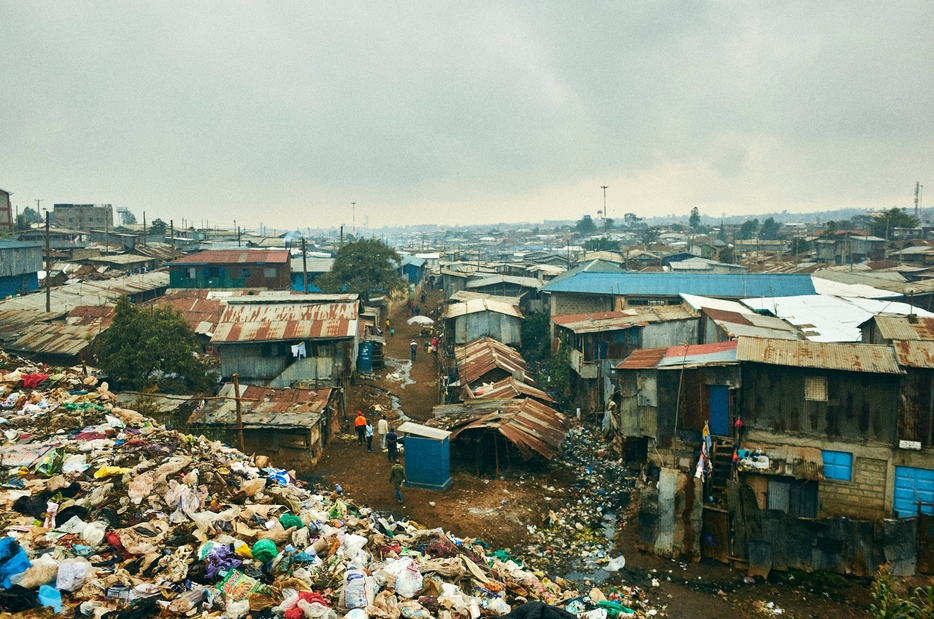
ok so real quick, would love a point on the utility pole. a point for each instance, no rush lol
(604, 187)
(353, 217)
(304, 266)
(236, 382)
(172, 233)
(144, 227)
(48, 265)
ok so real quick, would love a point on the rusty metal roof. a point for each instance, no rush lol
(737, 324)
(201, 311)
(479, 357)
(90, 314)
(609, 321)
(643, 359)
(914, 353)
(57, 338)
(269, 322)
(264, 406)
(235, 256)
(823, 355)
(507, 389)
(677, 356)
(528, 424)
(911, 327)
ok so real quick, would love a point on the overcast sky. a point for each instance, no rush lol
(465, 112)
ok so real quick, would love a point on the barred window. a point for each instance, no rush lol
(815, 388)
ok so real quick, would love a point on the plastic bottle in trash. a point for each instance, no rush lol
(354, 587)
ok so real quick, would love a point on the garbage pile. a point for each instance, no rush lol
(109, 515)
(577, 538)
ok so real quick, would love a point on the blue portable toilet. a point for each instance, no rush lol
(427, 456)
(365, 358)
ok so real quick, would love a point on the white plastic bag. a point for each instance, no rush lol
(409, 581)
(71, 574)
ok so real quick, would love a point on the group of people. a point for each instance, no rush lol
(389, 441)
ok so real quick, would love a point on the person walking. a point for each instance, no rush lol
(414, 347)
(368, 434)
(388, 326)
(392, 444)
(382, 426)
(360, 425)
(397, 478)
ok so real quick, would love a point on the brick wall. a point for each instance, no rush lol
(862, 497)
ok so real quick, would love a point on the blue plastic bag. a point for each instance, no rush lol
(51, 597)
(13, 560)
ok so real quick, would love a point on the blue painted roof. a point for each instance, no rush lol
(672, 284)
(11, 244)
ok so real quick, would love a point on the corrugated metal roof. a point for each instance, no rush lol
(643, 359)
(268, 322)
(672, 284)
(235, 256)
(506, 389)
(608, 321)
(314, 265)
(478, 358)
(96, 292)
(699, 354)
(914, 353)
(492, 280)
(824, 355)
(264, 407)
(473, 306)
(829, 319)
(912, 327)
(528, 424)
(735, 324)
(57, 339)
(87, 314)
(200, 312)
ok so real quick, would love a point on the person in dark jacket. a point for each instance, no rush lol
(392, 444)
(397, 478)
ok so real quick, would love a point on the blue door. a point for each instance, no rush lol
(911, 486)
(719, 404)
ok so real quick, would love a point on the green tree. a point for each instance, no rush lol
(157, 228)
(632, 220)
(28, 217)
(601, 244)
(799, 245)
(555, 375)
(153, 348)
(770, 230)
(536, 337)
(694, 219)
(726, 255)
(748, 230)
(884, 223)
(830, 229)
(585, 226)
(609, 223)
(364, 266)
(649, 236)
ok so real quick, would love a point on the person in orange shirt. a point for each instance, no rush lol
(360, 424)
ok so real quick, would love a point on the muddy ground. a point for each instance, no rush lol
(499, 511)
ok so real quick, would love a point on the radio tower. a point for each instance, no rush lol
(917, 193)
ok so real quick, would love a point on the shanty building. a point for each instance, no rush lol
(821, 461)
(485, 361)
(20, 263)
(597, 341)
(476, 318)
(296, 340)
(6, 213)
(495, 434)
(291, 426)
(231, 268)
(83, 217)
